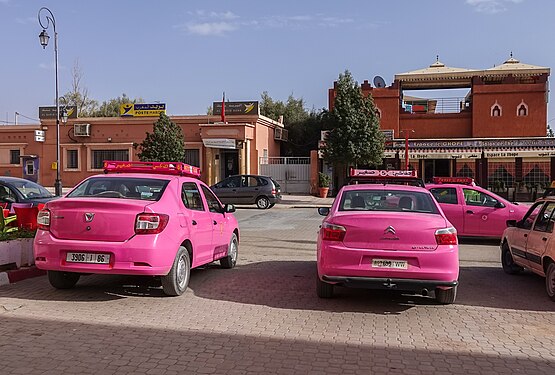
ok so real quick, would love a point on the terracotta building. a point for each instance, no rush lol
(219, 148)
(496, 133)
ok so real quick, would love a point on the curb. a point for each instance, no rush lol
(9, 277)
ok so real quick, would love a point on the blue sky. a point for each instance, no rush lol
(186, 53)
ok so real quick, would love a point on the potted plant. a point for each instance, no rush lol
(323, 184)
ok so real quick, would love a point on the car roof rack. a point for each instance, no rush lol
(384, 176)
(454, 180)
(156, 167)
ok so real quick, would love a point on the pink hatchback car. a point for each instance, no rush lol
(154, 219)
(387, 237)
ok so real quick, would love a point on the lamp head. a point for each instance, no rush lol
(44, 37)
(63, 116)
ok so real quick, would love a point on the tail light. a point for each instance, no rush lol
(331, 232)
(150, 223)
(446, 236)
(43, 219)
(274, 191)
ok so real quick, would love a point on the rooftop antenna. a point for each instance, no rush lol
(379, 82)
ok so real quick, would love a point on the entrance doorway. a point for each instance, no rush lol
(436, 168)
(230, 163)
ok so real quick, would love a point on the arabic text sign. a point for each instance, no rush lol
(49, 113)
(381, 173)
(236, 108)
(142, 110)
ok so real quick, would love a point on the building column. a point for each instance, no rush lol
(243, 157)
(209, 165)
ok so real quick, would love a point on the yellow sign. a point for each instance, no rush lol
(142, 110)
(54, 165)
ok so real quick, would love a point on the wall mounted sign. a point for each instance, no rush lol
(49, 113)
(236, 108)
(219, 143)
(142, 110)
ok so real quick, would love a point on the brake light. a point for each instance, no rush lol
(150, 223)
(331, 232)
(274, 191)
(43, 219)
(446, 236)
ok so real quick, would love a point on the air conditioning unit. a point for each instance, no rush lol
(82, 130)
(281, 134)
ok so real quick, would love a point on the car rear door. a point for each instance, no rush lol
(249, 190)
(539, 237)
(518, 237)
(481, 216)
(220, 236)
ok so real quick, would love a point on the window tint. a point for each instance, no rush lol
(530, 216)
(251, 181)
(190, 196)
(544, 223)
(445, 195)
(387, 200)
(213, 203)
(30, 190)
(121, 187)
(231, 182)
(476, 198)
(6, 193)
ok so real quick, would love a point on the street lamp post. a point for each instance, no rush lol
(44, 37)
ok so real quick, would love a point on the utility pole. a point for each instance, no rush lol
(407, 132)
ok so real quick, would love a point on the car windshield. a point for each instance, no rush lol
(387, 200)
(149, 189)
(31, 190)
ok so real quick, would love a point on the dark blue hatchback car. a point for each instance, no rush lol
(19, 190)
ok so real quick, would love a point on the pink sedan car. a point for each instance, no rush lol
(155, 219)
(387, 237)
(473, 210)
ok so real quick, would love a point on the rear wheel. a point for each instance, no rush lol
(323, 289)
(231, 259)
(175, 283)
(63, 280)
(446, 296)
(550, 281)
(262, 202)
(507, 261)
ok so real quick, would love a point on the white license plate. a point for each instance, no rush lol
(88, 258)
(387, 263)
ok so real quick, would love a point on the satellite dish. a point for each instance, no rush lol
(379, 81)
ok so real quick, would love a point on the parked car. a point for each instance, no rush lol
(151, 219)
(529, 243)
(263, 191)
(20, 190)
(473, 210)
(392, 237)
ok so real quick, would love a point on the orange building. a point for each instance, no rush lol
(495, 133)
(219, 149)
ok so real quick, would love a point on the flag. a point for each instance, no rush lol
(223, 108)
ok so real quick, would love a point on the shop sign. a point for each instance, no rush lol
(49, 113)
(142, 110)
(444, 143)
(236, 108)
(219, 143)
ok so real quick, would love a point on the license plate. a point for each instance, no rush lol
(386, 263)
(88, 258)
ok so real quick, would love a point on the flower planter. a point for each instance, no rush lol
(323, 192)
(18, 251)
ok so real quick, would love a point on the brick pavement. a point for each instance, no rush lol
(264, 317)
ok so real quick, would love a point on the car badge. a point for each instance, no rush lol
(89, 216)
(389, 229)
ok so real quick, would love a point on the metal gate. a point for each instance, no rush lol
(293, 174)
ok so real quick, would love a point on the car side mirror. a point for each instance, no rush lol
(499, 205)
(324, 211)
(229, 208)
(511, 223)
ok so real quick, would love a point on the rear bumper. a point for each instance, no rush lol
(413, 285)
(274, 198)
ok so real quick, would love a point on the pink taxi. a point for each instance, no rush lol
(387, 237)
(153, 219)
(473, 210)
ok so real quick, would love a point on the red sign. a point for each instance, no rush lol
(382, 173)
(173, 168)
(453, 180)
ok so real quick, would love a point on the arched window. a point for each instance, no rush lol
(496, 110)
(522, 109)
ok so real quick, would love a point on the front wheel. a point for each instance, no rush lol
(507, 261)
(63, 280)
(175, 283)
(262, 202)
(446, 296)
(232, 251)
(550, 281)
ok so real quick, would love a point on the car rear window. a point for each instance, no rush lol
(387, 200)
(148, 189)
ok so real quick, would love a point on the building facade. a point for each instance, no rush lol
(495, 133)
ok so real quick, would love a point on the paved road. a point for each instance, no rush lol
(264, 317)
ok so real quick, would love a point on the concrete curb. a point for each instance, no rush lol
(9, 277)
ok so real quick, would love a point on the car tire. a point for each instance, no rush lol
(323, 289)
(176, 281)
(446, 296)
(507, 261)
(232, 252)
(63, 280)
(550, 281)
(262, 202)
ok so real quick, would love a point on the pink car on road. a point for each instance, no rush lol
(387, 237)
(473, 210)
(154, 219)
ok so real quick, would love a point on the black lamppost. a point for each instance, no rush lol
(44, 37)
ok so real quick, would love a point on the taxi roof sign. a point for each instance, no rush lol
(171, 168)
(382, 173)
(454, 180)
(384, 176)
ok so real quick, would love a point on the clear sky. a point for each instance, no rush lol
(186, 53)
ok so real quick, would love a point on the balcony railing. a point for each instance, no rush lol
(437, 105)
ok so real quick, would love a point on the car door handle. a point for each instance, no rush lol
(215, 222)
(544, 239)
(469, 212)
(525, 235)
(194, 222)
